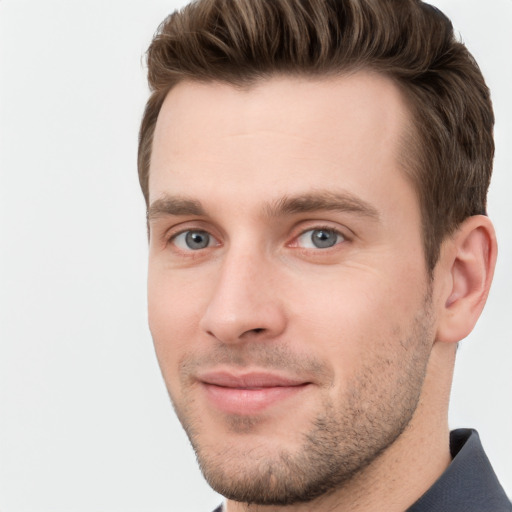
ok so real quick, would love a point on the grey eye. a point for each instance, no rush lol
(320, 238)
(193, 240)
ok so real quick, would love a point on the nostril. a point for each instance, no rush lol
(257, 330)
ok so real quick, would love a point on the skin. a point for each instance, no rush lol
(359, 325)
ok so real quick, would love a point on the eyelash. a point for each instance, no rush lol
(172, 239)
(329, 229)
(341, 238)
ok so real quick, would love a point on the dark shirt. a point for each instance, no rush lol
(468, 484)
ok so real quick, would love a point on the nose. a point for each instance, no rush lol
(245, 304)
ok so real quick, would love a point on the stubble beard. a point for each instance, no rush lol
(343, 438)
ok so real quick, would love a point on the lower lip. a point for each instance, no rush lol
(249, 401)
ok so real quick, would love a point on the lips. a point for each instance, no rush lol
(249, 393)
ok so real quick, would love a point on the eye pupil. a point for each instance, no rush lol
(197, 239)
(323, 238)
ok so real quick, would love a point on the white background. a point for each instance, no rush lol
(85, 422)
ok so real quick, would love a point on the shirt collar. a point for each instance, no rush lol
(469, 484)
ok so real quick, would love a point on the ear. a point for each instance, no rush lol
(469, 257)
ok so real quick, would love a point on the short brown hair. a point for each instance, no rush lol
(242, 41)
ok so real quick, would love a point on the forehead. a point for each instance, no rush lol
(281, 135)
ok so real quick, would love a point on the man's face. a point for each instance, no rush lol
(288, 297)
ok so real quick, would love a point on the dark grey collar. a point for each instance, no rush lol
(468, 484)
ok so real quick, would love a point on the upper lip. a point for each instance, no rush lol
(249, 380)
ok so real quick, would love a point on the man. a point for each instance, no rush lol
(316, 176)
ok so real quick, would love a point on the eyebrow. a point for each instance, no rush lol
(174, 205)
(343, 202)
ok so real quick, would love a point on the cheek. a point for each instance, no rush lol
(354, 313)
(173, 316)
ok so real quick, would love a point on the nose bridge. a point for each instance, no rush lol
(243, 301)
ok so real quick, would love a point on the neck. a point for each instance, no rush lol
(408, 468)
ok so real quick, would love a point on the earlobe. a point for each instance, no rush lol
(469, 265)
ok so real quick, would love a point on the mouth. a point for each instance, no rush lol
(249, 393)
